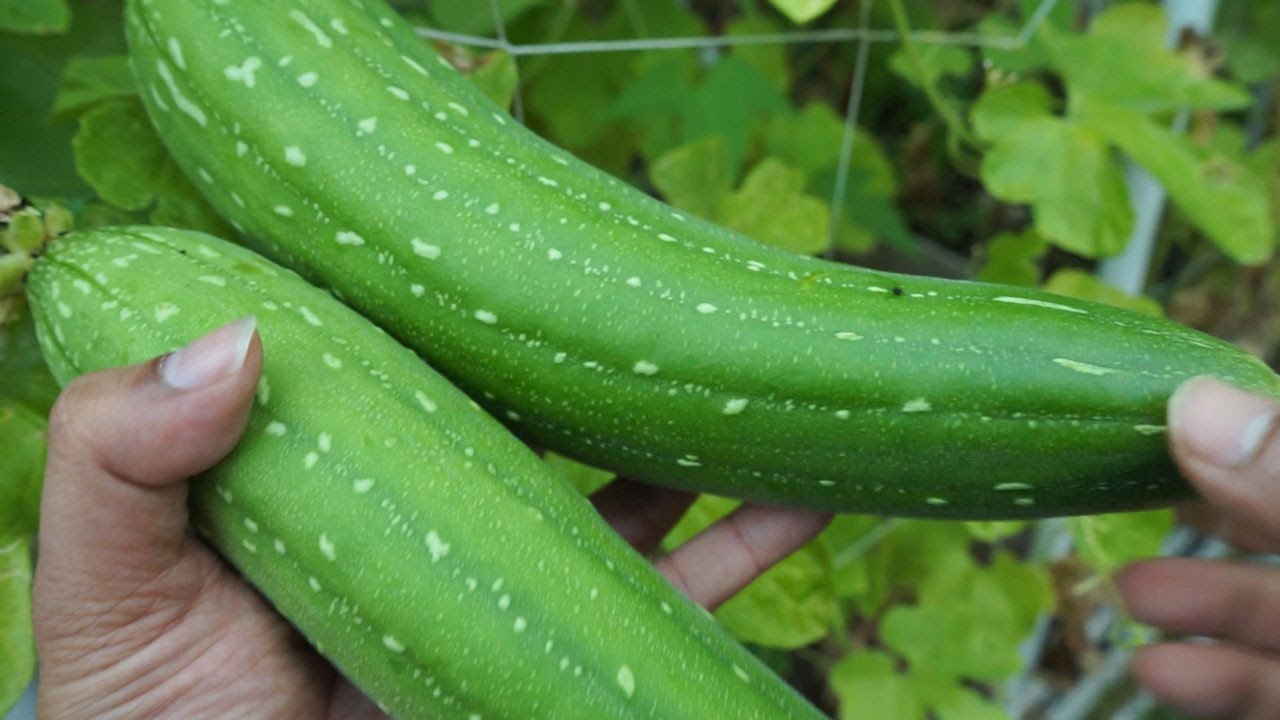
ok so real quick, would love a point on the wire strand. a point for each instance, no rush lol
(832, 35)
(852, 111)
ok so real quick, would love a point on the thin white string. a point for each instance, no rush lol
(517, 99)
(833, 35)
(852, 112)
(1036, 20)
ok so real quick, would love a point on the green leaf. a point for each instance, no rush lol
(811, 139)
(87, 81)
(970, 620)
(936, 61)
(654, 100)
(868, 686)
(732, 101)
(802, 11)
(35, 17)
(476, 18)
(695, 177)
(1222, 196)
(850, 540)
(772, 207)
(179, 204)
(769, 58)
(1251, 49)
(1123, 61)
(791, 605)
(497, 77)
(1108, 542)
(35, 153)
(869, 214)
(13, 266)
(956, 702)
(914, 552)
(1265, 163)
(17, 643)
(117, 152)
(583, 478)
(995, 530)
(1080, 284)
(1014, 259)
(1035, 54)
(569, 96)
(1011, 110)
(1063, 169)
(22, 451)
(25, 233)
(1027, 587)
(967, 625)
(24, 377)
(100, 214)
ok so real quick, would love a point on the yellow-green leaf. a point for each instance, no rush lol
(1063, 169)
(802, 11)
(17, 644)
(773, 208)
(1080, 284)
(868, 686)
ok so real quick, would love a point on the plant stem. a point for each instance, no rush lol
(940, 105)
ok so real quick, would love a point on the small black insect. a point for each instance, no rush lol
(897, 291)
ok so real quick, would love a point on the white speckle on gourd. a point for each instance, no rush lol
(327, 549)
(917, 405)
(322, 39)
(245, 72)
(626, 680)
(644, 367)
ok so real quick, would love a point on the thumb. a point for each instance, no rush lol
(121, 444)
(1225, 442)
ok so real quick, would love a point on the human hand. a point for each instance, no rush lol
(1226, 444)
(134, 618)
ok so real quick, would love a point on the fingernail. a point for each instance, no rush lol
(208, 359)
(1220, 424)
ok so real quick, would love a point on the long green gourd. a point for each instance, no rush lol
(603, 324)
(417, 543)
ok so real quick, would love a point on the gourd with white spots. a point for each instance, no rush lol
(409, 536)
(607, 326)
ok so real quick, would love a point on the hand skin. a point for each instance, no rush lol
(134, 618)
(1226, 443)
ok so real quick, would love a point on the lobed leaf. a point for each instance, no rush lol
(17, 642)
(35, 17)
(803, 11)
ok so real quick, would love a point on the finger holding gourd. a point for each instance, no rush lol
(604, 325)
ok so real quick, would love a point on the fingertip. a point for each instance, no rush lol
(1165, 671)
(165, 419)
(1144, 586)
(1218, 424)
(1225, 443)
(210, 359)
(1210, 680)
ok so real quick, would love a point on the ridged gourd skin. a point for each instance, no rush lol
(603, 324)
(414, 540)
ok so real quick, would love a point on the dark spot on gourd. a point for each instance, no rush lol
(897, 291)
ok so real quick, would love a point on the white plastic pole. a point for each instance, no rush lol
(1128, 270)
